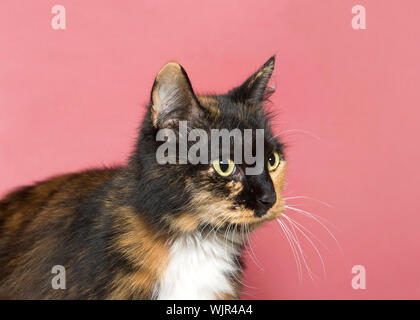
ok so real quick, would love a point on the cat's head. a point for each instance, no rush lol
(222, 191)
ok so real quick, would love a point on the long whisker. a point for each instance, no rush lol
(217, 226)
(313, 215)
(294, 251)
(308, 231)
(226, 236)
(234, 275)
(252, 254)
(308, 214)
(291, 221)
(309, 198)
(226, 241)
(234, 232)
(296, 239)
(298, 131)
(236, 258)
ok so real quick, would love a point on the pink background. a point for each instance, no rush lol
(348, 102)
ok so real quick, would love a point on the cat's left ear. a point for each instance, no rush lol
(254, 89)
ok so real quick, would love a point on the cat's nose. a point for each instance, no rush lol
(265, 201)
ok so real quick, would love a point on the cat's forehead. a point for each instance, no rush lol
(223, 112)
(211, 104)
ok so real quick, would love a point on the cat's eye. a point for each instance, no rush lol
(224, 167)
(273, 161)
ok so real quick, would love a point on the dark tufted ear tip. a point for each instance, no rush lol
(254, 90)
(270, 62)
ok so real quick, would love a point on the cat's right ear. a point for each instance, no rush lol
(254, 90)
(173, 98)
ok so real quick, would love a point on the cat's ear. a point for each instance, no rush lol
(173, 98)
(254, 89)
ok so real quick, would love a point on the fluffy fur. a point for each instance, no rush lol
(199, 267)
(144, 230)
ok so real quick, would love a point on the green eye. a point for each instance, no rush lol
(273, 161)
(224, 167)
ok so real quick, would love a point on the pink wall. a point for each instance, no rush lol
(71, 99)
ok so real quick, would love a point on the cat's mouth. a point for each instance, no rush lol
(249, 219)
(256, 220)
(240, 226)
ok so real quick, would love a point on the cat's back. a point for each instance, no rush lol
(33, 217)
(21, 205)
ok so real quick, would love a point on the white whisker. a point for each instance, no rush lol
(308, 214)
(252, 254)
(298, 131)
(310, 198)
(291, 221)
(309, 232)
(297, 259)
(296, 241)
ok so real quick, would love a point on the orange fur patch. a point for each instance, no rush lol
(211, 104)
(185, 223)
(147, 251)
(138, 242)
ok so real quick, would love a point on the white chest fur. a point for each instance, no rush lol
(198, 268)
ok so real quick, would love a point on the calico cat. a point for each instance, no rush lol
(146, 230)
